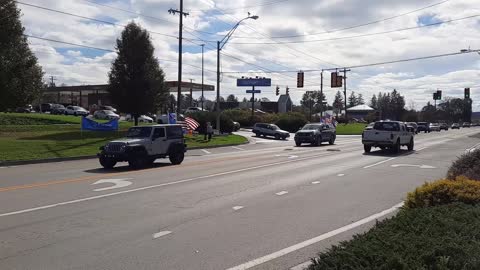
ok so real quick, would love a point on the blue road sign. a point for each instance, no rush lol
(254, 82)
(253, 91)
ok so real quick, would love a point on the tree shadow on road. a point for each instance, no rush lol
(389, 153)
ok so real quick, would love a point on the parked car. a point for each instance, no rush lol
(423, 127)
(444, 126)
(141, 119)
(236, 126)
(25, 109)
(466, 125)
(369, 126)
(163, 119)
(107, 107)
(46, 107)
(193, 110)
(75, 110)
(145, 144)
(57, 109)
(105, 115)
(263, 129)
(387, 134)
(434, 127)
(413, 126)
(455, 126)
(315, 134)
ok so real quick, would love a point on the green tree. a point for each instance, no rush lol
(313, 100)
(338, 105)
(20, 73)
(360, 100)
(373, 102)
(136, 81)
(352, 100)
(232, 98)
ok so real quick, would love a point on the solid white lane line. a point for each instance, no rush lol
(157, 186)
(205, 151)
(378, 163)
(423, 148)
(281, 193)
(315, 182)
(340, 174)
(236, 208)
(314, 240)
(160, 234)
(238, 148)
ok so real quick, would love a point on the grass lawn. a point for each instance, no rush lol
(440, 237)
(27, 141)
(350, 129)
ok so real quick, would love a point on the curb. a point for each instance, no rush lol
(53, 160)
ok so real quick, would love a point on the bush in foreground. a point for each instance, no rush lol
(291, 121)
(440, 237)
(444, 192)
(467, 165)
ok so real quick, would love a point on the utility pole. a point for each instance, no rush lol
(203, 46)
(345, 91)
(191, 92)
(253, 102)
(180, 38)
(321, 95)
(52, 81)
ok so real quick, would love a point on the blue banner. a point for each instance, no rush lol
(88, 124)
(254, 82)
(172, 118)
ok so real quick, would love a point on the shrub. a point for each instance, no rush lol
(226, 123)
(440, 237)
(444, 192)
(467, 165)
(291, 121)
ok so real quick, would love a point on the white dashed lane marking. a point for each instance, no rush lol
(160, 234)
(281, 193)
(205, 151)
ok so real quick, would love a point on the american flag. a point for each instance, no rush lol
(191, 123)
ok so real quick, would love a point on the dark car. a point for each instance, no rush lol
(315, 134)
(263, 129)
(46, 107)
(57, 109)
(25, 109)
(466, 125)
(455, 126)
(423, 126)
(412, 127)
(444, 126)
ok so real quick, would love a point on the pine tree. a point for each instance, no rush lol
(359, 100)
(373, 102)
(20, 73)
(338, 103)
(136, 82)
(352, 100)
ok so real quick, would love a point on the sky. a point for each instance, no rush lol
(289, 36)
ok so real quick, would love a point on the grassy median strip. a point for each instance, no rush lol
(440, 237)
(350, 129)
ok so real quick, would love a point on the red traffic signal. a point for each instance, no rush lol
(300, 79)
(278, 91)
(287, 91)
(336, 80)
(467, 92)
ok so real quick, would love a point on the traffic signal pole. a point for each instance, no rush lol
(321, 95)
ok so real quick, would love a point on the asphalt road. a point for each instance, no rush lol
(265, 205)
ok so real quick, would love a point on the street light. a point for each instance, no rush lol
(220, 45)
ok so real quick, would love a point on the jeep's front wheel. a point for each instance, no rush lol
(176, 157)
(106, 162)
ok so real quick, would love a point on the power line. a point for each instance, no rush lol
(364, 35)
(358, 25)
(145, 16)
(87, 18)
(366, 65)
(260, 5)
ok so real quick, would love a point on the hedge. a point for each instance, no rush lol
(440, 237)
(226, 123)
(444, 192)
(467, 165)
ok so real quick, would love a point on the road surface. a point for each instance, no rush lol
(265, 205)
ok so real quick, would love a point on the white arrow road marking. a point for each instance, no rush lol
(289, 156)
(118, 183)
(205, 151)
(281, 193)
(238, 207)
(410, 165)
(160, 234)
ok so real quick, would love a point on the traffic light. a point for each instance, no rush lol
(439, 94)
(278, 91)
(467, 92)
(300, 77)
(435, 96)
(336, 80)
(288, 93)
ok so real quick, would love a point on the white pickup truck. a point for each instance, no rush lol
(388, 134)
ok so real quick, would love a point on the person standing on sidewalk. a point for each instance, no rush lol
(208, 131)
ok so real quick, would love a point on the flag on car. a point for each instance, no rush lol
(191, 123)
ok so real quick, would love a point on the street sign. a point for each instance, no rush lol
(253, 91)
(254, 82)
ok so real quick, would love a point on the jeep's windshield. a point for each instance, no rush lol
(139, 132)
(311, 127)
